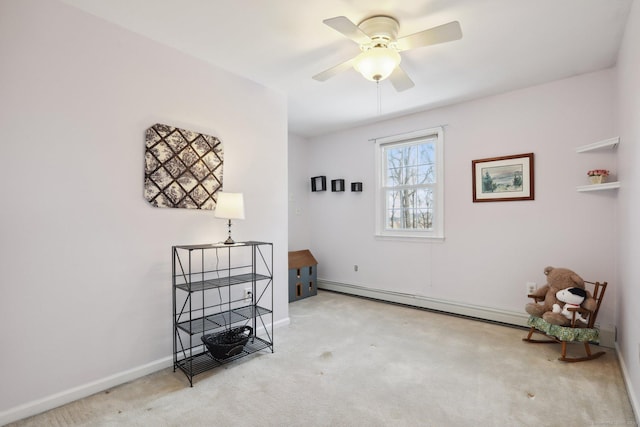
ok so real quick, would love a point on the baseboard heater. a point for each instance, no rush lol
(607, 337)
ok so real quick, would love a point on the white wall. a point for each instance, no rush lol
(491, 249)
(85, 260)
(628, 295)
(299, 187)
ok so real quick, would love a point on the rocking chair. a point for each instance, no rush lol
(574, 333)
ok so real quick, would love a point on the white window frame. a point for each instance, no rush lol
(437, 231)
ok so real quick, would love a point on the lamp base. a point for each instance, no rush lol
(229, 240)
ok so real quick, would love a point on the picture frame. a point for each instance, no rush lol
(503, 179)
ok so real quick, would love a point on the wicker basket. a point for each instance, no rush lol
(223, 345)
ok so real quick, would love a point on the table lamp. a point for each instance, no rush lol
(229, 206)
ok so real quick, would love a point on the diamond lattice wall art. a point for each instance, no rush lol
(183, 169)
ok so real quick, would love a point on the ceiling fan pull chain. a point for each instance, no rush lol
(379, 96)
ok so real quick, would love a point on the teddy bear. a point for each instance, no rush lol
(572, 298)
(557, 280)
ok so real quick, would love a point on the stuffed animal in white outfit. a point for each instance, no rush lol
(572, 298)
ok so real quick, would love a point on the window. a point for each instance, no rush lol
(409, 185)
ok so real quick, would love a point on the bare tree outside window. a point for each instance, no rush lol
(410, 178)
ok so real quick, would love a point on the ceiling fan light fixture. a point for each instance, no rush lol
(377, 63)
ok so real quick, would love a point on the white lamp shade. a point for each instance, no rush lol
(229, 206)
(377, 63)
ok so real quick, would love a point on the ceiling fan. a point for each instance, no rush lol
(380, 56)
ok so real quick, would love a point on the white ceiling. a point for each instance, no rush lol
(506, 44)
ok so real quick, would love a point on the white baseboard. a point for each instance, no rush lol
(607, 337)
(280, 323)
(635, 404)
(67, 396)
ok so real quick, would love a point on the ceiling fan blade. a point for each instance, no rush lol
(343, 25)
(400, 80)
(327, 74)
(440, 34)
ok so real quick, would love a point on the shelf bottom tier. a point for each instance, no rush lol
(203, 362)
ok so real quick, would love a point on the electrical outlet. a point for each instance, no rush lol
(355, 267)
(247, 294)
(531, 287)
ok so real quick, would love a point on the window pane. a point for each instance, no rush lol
(393, 200)
(424, 219)
(426, 174)
(394, 177)
(424, 198)
(394, 168)
(394, 219)
(427, 153)
(411, 175)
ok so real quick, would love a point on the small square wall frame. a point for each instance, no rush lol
(319, 183)
(337, 185)
(356, 186)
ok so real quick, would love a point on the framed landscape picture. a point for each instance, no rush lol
(503, 179)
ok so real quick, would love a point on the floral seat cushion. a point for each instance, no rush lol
(564, 333)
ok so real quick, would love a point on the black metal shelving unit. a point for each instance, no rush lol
(209, 295)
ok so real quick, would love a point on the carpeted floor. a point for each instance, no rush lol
(347, 361)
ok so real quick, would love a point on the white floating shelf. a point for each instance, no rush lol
(607, 143)
(599, 187)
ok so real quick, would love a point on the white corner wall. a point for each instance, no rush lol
(491, 249)
(85, 260)
(628, 295)
(299, 161)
